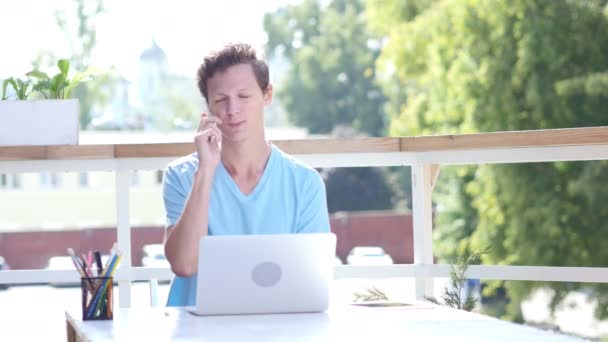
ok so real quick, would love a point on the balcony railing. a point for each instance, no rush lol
(424, 154)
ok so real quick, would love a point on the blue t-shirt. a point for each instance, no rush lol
(289, 198)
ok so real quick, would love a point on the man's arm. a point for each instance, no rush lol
(181, 239)
(314, 217)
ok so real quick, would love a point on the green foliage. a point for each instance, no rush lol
(356, 189)
(384, 15)
(292, 27)
(79, 27)
(464, 66)
(457, 218)
(331, 84)
(57, 87)
(4, 86)
(331, 79)
(21, 88)
(453, 295)
(594, 84)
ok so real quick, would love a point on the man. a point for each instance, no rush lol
(237, 182)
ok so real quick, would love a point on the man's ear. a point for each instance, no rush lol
(207, 108)
(268, 94)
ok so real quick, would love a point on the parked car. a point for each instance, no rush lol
(3, 266)
(61, 263)
(372, 255)
(154, 256)
(337, 261)
(64, 262)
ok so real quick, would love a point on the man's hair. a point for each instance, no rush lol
(230, 55)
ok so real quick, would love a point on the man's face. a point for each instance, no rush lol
(235, 97)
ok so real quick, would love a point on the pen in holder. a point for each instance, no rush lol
(97, 299)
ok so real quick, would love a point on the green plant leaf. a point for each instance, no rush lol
(43, 84)
(21, 88)
(64, 66)
(38, 74)
(452, 296)
(5, 84)
(58, 84)
(43, 87)
(469, 303)
(13, 83)
(432, 300)
(78, 78)
(17, 85)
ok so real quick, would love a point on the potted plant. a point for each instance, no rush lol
(51, 118)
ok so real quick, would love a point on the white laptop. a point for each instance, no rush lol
(262, 274)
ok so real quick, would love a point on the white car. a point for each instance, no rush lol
(65, 263)
(3, 266)
(368, 256)
(61, 263)
(337, 261)
(154, 256)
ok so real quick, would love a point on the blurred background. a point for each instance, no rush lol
(341, 68)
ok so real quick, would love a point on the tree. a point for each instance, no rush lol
(357, 189)
(172, 107)
(360, 188)
(81, 33)
(480, 66)
(331, 83)
(332, 79)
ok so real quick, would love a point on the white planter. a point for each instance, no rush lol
(39, 122)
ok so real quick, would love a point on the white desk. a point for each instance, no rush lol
(345, 323)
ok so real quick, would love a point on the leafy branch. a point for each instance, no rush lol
(371, 294)
(453, 295)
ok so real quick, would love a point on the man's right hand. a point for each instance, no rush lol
(208, 142)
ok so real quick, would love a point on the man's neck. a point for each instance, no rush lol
(245, 159)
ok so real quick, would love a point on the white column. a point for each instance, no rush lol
(153, 292)
(423, 225)
(123, 233)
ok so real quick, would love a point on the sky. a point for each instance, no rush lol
(185, 29)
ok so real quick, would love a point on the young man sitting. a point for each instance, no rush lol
(237, 182)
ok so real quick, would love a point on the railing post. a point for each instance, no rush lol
(422, 179)
(153, 292)
(123, 233)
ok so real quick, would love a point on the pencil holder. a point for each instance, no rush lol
(97, 298)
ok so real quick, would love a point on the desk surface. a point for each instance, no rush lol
(344, 323)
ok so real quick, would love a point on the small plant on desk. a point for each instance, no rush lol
(370, 295)
(453, 296)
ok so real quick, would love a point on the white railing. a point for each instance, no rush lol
(424, 154)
